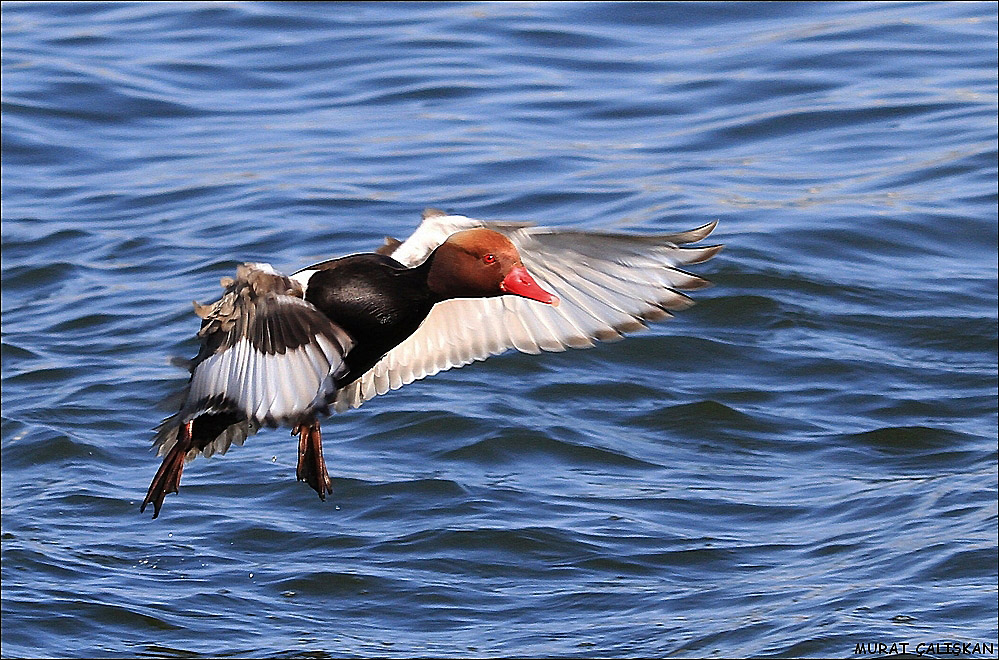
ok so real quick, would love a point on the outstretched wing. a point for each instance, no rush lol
(609, 284)
(267, 357)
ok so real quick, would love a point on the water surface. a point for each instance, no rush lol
(804, 461)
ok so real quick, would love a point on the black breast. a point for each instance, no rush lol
(376, 299)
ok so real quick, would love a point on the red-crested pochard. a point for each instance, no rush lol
(283, 350)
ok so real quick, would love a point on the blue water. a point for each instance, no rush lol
(804, 461)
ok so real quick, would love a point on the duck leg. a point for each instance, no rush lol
(311, 464)
(167, 479)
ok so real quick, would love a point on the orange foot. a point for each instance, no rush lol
(311, 464)
(167, 479)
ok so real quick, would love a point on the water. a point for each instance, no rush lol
(803, 462)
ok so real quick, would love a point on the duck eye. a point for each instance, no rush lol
(489, 259)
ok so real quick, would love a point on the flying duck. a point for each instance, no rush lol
(287, 349)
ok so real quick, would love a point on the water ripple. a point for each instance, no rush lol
(804, 460)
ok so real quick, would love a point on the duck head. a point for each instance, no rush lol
(481, 263)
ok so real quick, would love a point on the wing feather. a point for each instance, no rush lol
(609, 285)
(267, 357)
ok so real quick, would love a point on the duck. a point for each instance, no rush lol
(288, 350)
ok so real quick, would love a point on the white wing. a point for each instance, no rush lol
(267, 357)
(608, 284)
